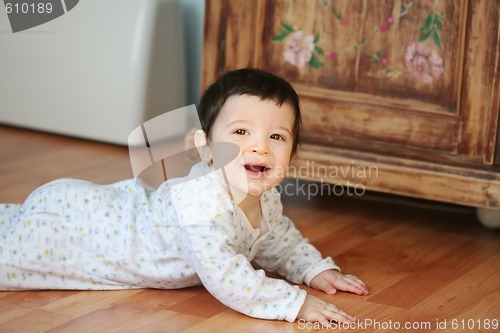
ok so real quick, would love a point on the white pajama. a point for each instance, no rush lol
(73, 234)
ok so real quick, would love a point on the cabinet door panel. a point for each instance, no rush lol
(349, 124)
(370, 47)
(402, 77)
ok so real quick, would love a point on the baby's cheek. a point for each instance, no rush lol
(281, 168)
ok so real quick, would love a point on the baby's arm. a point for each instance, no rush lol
(289, 254)
(230, 277)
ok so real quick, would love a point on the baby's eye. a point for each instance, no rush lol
(277, 137)
(240, 132)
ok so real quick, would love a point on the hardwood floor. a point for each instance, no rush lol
(425, 264)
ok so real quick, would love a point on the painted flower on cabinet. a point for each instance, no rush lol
(423, 63)
(299, 48)
(422, 60)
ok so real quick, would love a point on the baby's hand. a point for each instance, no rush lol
(317, 310)
(331, 280)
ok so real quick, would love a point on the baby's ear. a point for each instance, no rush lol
(200, 141)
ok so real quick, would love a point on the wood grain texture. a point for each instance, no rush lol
(400, 176)
(211, 67)
(422, 262)
(376, 125)
(479, 123)
(493, 147)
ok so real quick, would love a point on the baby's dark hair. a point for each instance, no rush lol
(248, 81)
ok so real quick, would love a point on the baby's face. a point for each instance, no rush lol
(263, 131)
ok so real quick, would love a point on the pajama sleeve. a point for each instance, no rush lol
(212, 242)
(228, 275)
(288, 253)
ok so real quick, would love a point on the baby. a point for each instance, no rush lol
(205, 228)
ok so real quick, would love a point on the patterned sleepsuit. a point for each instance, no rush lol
(73, 234)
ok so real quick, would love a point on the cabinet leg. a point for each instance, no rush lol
(490, 218)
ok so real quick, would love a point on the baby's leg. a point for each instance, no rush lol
(8, 217)
(23, 249)
(41, 251)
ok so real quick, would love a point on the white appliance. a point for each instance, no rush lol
(98, 71)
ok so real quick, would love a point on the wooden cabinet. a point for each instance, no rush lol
(407, 89)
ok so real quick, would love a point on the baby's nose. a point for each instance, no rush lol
(260, 146)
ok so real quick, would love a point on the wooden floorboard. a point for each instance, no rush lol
(424, 263)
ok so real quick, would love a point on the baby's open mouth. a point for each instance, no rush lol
(256, 168)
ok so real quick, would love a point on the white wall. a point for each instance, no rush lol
(98, 71)
(83, 77)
